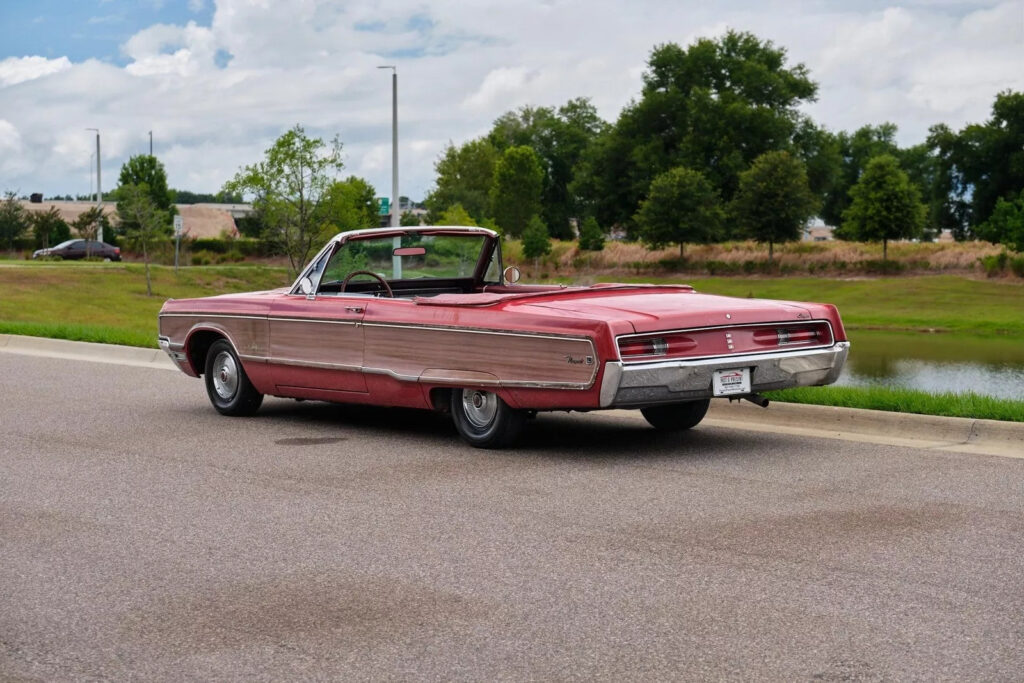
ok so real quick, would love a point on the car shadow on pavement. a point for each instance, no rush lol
(575, 436)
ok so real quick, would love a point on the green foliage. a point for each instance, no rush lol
(289, 185)
(981, 164)
(464, 176)
(682, 207)
(1006, 224)
(88, 223)
(455, 215)
(146, 226)
(186, 197)
(349, 204)
(409, 219)
(714, 107)
(516, 190)
(774, 199)
(855, 150)
(13, 222)
(536, 240)
(48, 227)
(591, 235)
(559, 138)
(143, 169)
(884, 205)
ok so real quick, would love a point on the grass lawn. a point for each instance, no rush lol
(107, 302)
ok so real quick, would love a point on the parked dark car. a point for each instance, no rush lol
(79, 249)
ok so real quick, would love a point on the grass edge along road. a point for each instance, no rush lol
(106, 303)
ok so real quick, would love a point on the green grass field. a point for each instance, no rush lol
(107, 303)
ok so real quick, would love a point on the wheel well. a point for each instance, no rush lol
(198, 346)
(440, 399)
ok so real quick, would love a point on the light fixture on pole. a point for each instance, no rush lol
(99, 189)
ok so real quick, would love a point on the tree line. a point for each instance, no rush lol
(715, 147)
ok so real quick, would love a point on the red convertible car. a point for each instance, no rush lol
(426, 317)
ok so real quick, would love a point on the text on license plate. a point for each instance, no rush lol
(729, 382)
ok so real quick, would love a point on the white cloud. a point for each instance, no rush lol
(460, 66)
(20, 69)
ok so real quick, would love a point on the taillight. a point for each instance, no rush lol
(785, 336)
(117, 250)
(667, 345)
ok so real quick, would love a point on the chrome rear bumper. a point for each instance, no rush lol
(641, 384)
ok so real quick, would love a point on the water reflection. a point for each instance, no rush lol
(936, 363)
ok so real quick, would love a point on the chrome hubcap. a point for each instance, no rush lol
(225, 375)
(479, 407)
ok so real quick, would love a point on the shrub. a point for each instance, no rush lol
(1017, 266)
(995, 264)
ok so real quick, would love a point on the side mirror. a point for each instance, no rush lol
(306, 286)
(512, 275)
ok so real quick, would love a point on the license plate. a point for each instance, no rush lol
(729, 382)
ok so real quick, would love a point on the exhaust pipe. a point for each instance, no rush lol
(757, 399)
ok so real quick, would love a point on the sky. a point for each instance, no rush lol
(217, 81)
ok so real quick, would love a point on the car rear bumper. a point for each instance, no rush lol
(642, 384)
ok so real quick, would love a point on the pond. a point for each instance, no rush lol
(936, 363)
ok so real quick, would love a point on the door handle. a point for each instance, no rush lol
(354, 309)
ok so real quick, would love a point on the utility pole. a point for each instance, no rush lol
(150, 143)
(99, 188)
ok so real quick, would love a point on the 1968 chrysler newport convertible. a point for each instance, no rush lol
(425, 317)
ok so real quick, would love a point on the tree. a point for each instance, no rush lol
(146, 226)
(456, 215)
(48, 227)
(774, 199)
(464, 176)
(289, 185)
(713, 107)
(409, 219)
(515, 192)
(143, 169)
(12, 220)
(536, 239)
(1006, 224)
(855, 150)
(884, 205)
(981, 164)
(559, 138)
(350, 204)
(591, 235)
(88, 223)
(682, 206)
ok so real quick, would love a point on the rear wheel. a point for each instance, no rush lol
(676, 417)
(484, 420)
(227, 385)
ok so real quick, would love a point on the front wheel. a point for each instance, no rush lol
(227, 385)
(484, 420)
(676, 417)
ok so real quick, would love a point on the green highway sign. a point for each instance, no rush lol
(385, 205)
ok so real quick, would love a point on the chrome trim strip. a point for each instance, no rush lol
(200, 314)
(831, 333)
(482, 330)
(326, 321)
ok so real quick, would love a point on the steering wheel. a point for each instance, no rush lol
(387, 287)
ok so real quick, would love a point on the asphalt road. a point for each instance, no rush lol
(143, 536)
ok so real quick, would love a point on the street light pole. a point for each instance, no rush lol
(99, 188)
(396, 261)
(150, 143)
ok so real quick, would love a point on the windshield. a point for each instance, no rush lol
(412, 256)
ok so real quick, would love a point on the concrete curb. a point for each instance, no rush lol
(87, 351)
(959, 434)
(955, 434)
